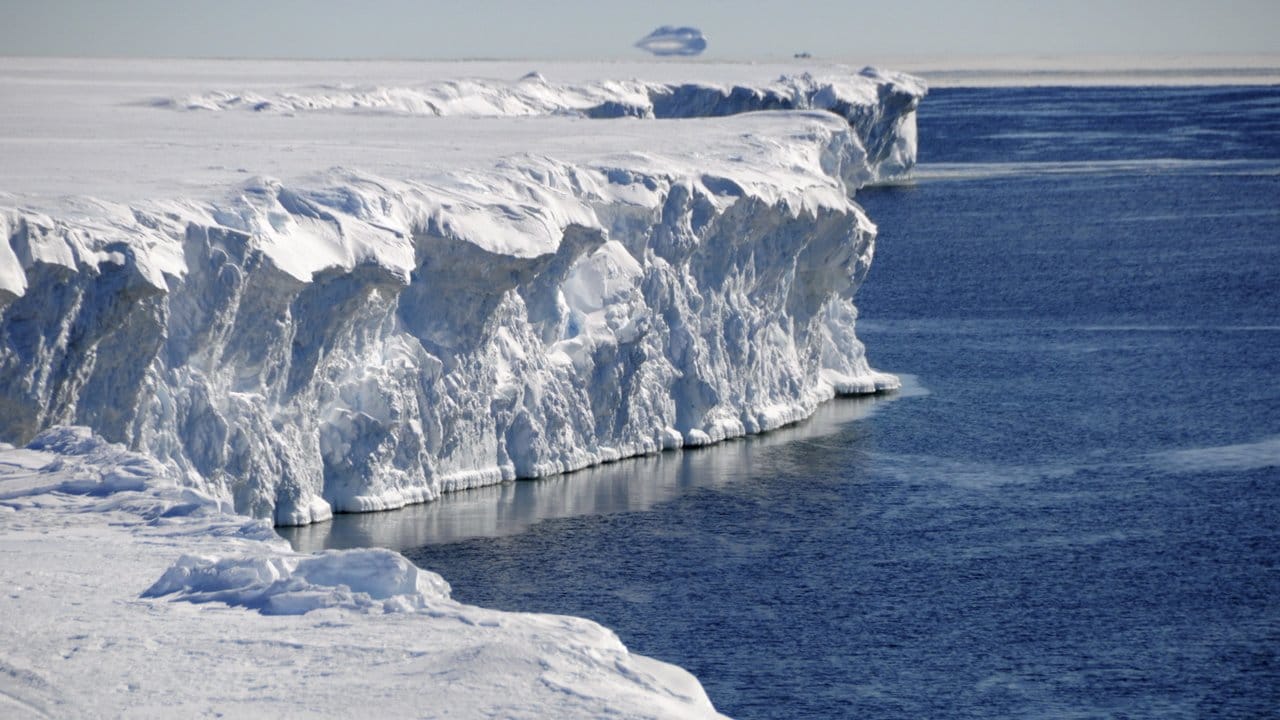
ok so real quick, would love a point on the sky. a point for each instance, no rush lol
(582, 29)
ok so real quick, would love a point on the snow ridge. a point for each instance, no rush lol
(864, 99)
(534, 94)
(353, 342)
(361, 580)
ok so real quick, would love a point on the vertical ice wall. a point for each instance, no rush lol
(361, 343)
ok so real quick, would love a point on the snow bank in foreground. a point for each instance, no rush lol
(357, 340)
(346, 632)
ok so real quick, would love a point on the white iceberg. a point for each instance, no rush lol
(669, 40)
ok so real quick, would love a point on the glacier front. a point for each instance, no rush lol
(304, 293)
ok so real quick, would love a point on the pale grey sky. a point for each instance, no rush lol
(576, 29)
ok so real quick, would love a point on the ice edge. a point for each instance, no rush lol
(511, 322)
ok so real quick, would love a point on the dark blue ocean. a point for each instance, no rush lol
(1073, 508)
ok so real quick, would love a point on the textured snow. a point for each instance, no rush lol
(240, 626)
(351, 303)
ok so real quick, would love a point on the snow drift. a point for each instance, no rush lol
(357, 340)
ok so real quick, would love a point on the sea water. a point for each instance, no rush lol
(1073, 509)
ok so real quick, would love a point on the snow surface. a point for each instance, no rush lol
(359, 297)
(98, 620)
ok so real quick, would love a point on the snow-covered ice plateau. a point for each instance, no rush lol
(234, 294)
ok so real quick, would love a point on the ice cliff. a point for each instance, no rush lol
(359, 339)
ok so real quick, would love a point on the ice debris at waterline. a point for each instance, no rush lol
(456, 302)
(668, 40)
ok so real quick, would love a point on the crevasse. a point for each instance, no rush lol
(355, 342)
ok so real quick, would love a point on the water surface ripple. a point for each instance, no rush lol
(1080, 516)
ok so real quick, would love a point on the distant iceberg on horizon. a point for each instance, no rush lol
(670, 40)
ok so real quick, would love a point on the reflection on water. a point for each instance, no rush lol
(630, 485)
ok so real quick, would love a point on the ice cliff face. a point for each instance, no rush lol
(352, 341)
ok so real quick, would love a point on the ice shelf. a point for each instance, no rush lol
(304, 294)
